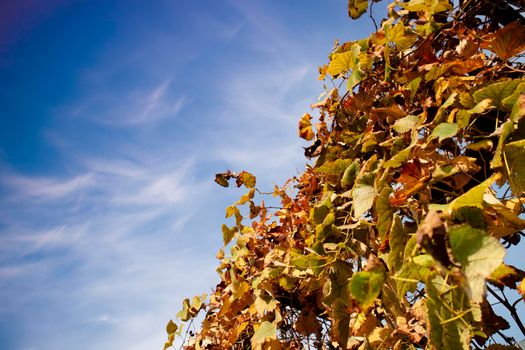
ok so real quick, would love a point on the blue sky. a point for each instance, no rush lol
(115, 117)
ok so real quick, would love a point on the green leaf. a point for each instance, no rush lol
(266, 330)
(228, 234)
(365, 286)
(171, 327)
(363, 196)
(336, 286)
(321, 210)
(497, 92)
(445, 331)
(356, 8)
(384, 213)
(350, 175)
(334, 168)
(406, 124)
(515, 165)
(511, 100)
(185, 314)
(518, 109)
(479, 255)
(401, 36)
(344, 61)
(427, 6)
(506, 129)
(473, 197)
(398, 240)
(444, 131)
(399, 158)
(482, 106)
(324, 229)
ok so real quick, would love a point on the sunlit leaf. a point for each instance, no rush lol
(406, 124)
(356, 8)
(508, 41)
(171, 327)
(497, 92)
(247, 179)
(266, 330)
(479, 255)
(228, 234)
(444, 131)
(350, 175)
(363, 196)
(344, 61)
(305, 127)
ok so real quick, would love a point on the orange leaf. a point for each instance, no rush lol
(305, 127)
(508, 41)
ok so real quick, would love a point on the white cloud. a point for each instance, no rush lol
(45, 188)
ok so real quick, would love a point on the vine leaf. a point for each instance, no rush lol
(508, 41)
(171, 327)
(228, 234)
(444, 131)
(365, 286)
(515, 165)
(497, 92)
(506, 275)
(406, 124)
(266, 330)
(356, 8)
(479, 255)
(305, 127)
(363, 195)
(447, 330)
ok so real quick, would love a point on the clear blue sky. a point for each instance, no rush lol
(115, 115)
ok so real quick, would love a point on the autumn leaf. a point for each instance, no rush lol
(356, 8)
(305, 127)
(508, 41)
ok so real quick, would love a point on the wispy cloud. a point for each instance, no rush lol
(42, 188)
(129, 108)
(103, 253)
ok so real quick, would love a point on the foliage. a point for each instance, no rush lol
(394, 235)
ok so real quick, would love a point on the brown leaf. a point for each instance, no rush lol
(506, 275)
(307, 323)
(508, 41)
(431, 235)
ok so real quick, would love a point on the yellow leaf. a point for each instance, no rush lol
(356, 8)
(305, 127)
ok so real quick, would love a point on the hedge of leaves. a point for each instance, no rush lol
(397, 233)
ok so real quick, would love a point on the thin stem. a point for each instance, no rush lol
(508, 306)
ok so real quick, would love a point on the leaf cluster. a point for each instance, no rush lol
(394, 236)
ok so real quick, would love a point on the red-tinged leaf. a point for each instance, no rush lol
(222, 180)
(246, 179)
(508, 41)
(305, 127)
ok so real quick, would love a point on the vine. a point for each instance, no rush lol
(395, 237)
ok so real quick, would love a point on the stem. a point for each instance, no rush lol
(508, 306)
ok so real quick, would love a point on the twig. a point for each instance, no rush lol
(508, 306)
